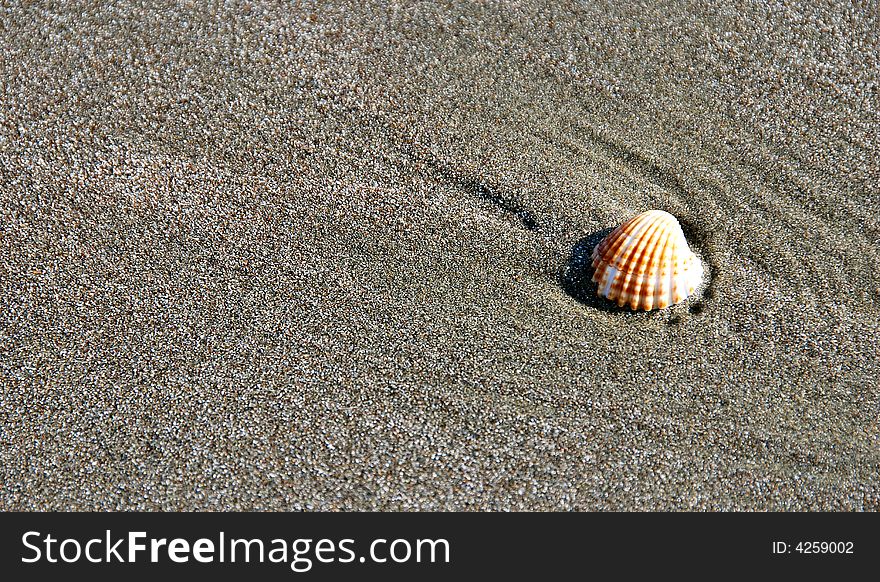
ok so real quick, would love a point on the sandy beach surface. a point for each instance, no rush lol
(334, 255)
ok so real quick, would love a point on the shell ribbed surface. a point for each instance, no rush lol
(646, 263)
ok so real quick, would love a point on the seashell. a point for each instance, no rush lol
(646, 263)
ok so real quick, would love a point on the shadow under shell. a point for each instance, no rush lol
(576, 278)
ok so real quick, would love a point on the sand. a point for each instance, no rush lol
(274, 255)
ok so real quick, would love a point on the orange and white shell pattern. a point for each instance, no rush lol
(646, 263)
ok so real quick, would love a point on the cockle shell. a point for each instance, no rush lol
(646, 263)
